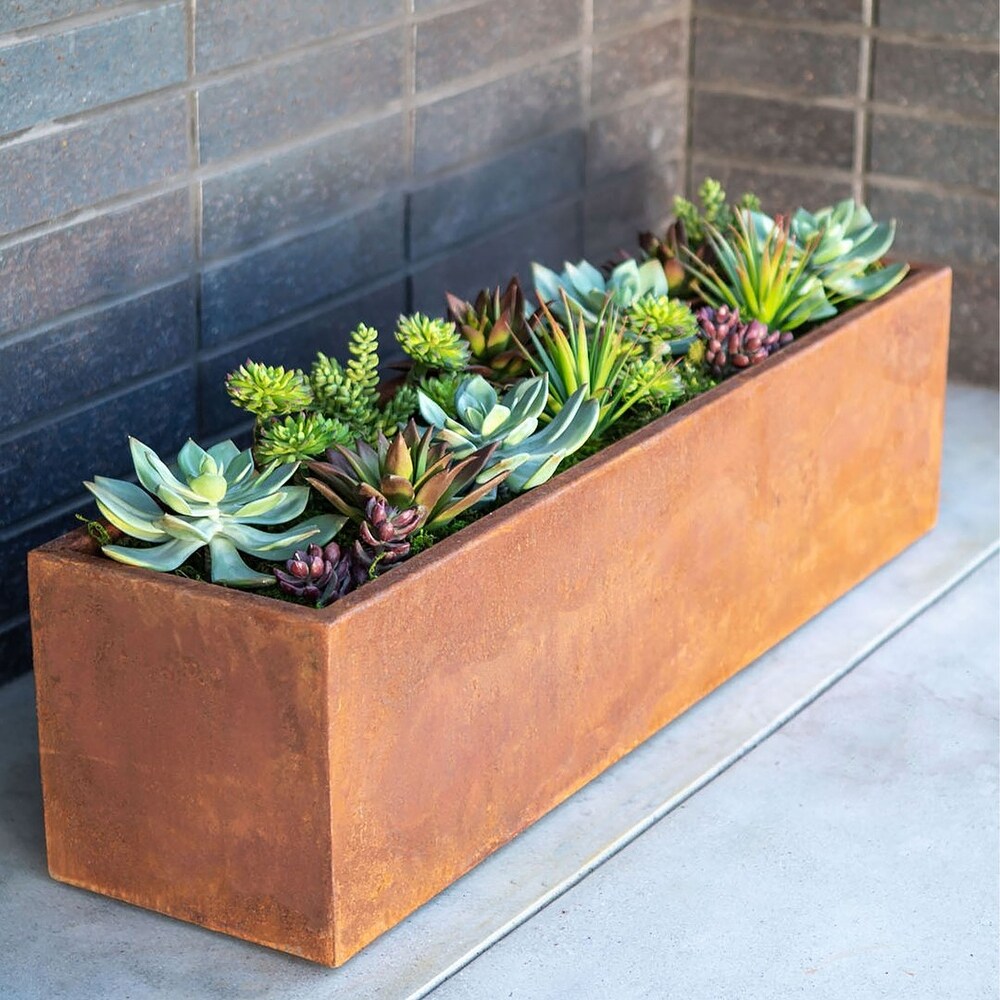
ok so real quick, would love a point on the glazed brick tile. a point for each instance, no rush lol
(784, 133)
(497, 115)
(975, 325)
(778, 192)
(73, 361)
(95, 160)
(791, 61)
(228, 32)
(14, 550)
(550, 237)
(649, 132)
(933, 77)
(642, 59)
(262, 287)
(109, 255)
(18, 14)
(75, 448)
(619, 209)
(953, 228)
(826, 11)
(295, 346)
(964, 18)
(282, 102)
(473, 40)
(962, 155)
(58, 75)
(15, 651)
(293, 189)
(492, 194)
(616, 14)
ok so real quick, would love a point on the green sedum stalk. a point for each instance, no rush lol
(214, 499)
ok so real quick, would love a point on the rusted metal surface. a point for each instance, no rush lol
(306, 779)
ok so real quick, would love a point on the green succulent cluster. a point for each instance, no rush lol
(268, 390)
(212, 498)
(665, 325)
(433, 344)
(299, 437)
(511, 424)
(712, 210)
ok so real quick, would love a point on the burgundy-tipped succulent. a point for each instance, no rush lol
(731, 345)
(384, 534)
(319, 574)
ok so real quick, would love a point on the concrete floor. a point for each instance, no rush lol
(824, 825)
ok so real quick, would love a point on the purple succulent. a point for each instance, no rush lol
(731, 344)
(307, 573)
(384, 534)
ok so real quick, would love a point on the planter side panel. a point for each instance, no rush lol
(183, 750)
(476, 691)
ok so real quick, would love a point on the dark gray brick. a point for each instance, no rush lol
(261, 287)
(622, 207)
(295, 346)
(473, 40)
(228, 33)
(89, 162)
(964, 83)
(791, 61)
(13, 557)
(638, 60)
(784, 133)
(15, 654)
(16, 14)
(650, 132)
(282, 102)
(96, 441)
(294, 189)
(932, 151)
(617, 14)
(778, 192)
(967, 18)
(549, 237)
(112, 254)
(952, 228)
(59, 75)
(809, 10)
(497, 115)
(79, 359)
(456, 208)
(975, 326)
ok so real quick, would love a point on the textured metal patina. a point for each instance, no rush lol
(305, 779)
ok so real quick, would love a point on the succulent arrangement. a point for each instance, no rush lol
(351, 472)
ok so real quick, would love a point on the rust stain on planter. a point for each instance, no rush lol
(306, 779)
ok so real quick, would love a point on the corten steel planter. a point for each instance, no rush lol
(305, 779)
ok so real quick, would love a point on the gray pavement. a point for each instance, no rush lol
(812, 828)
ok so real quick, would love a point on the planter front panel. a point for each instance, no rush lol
(474, 691)
(440, 710)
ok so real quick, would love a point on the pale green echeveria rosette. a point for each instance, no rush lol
(512, 424)
(214, 498)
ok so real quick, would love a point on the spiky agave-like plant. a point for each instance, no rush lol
(214, 499)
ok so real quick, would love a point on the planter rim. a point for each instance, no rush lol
(77, 545)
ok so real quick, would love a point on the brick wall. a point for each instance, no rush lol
(891, 101)
(186, 184)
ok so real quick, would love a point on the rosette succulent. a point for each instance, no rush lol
(384, 535)
(268, 390)
(585, 288)
(300, 437)
(511, 424)
(492, 326)
(731, 345)
(664, 325)
(410, 471)
(214, 498)
(849, 245)
(432, 343)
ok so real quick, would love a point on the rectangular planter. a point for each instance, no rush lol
(305, 779)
